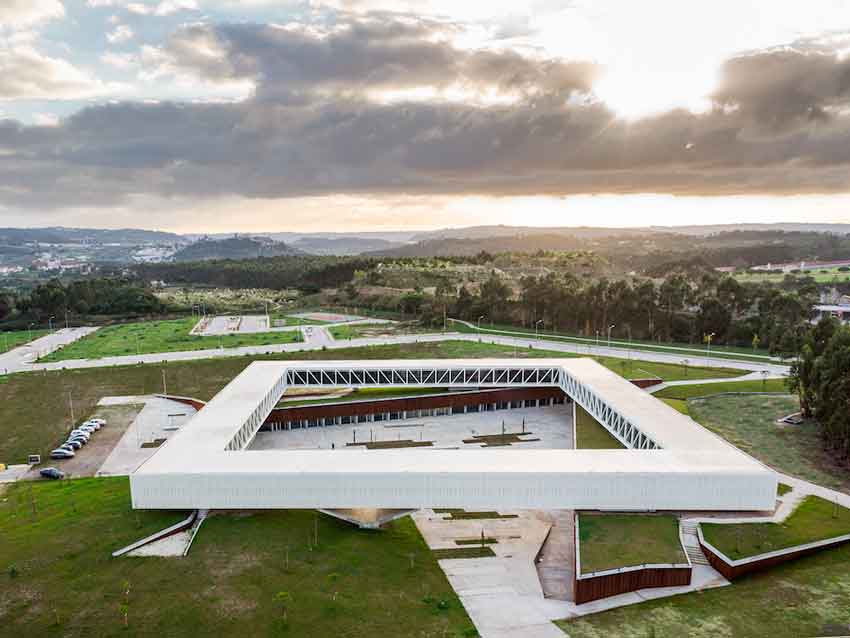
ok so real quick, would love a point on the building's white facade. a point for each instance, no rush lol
(672, 463)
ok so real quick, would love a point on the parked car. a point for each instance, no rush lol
(61, 454)
(52, 473)
(66, 446)
(89, 429)
(74, 444)
(100, 422)
(91, 425)
(81, 433)
(79, 440)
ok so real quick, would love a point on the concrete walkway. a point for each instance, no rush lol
(22, 357)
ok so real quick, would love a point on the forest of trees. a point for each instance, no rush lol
(821, 378)
(683, 307)
(100, 296)
(308, 273)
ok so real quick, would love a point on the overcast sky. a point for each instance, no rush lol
(249, 115)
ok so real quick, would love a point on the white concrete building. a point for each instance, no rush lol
(672, 463)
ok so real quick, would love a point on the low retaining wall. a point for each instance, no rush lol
(732, 569)
(593, 587)
(195, 403)
(612, 582)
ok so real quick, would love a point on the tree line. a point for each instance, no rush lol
(821, 378)
(96, 296)
(682, 307)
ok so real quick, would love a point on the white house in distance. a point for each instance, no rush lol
(670, 461)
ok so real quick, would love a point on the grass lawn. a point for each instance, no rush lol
(749, 422)
(367, 394)
(685, 392)
(352, 583)
(15, 338)
(590, 435)
(683, 349)
(782, 489)
(608, 541)
(34, 410)
(806, 597)
(160, 336)
(814, 519)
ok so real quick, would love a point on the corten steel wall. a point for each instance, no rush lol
(736, 569)
(647, 383)
(410, 404)
(611, 582)
(195, 403)
(596, 587)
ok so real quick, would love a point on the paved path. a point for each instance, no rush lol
(320, 342)
(20, 358)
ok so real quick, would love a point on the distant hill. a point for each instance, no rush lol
(479, 232)
(60, 235)
(234, 248)
(472, 246)
(343, 245)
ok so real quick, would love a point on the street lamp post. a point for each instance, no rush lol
(708, 339)
(50, 322)
(29, 331)
(610, 328)
(597, 338)
(479, 326)
(536, 333)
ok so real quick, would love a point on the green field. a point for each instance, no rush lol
(57, 577)
(821, 276)
(34, 411)
(684, 392)
(749, 422)
(15, 338)
(590, 435)
(609, 541)
(814, 519)
(677, 349)
(806, 597)
(160, 336)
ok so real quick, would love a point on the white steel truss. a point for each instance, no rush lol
(673, 463)
(476, 376)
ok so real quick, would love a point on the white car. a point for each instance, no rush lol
(59, 453)
(79, 434)
(100, 422)
(91, 424)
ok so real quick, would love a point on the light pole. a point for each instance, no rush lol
(708, 339)
(29, 331)
(536, 333)
(610, 328)
(479, 326)
(597, 339)
(50, 322)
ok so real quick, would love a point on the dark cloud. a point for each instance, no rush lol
(363, 54)
(785, 88)
(333, 139)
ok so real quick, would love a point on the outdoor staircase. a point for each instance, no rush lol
(691, 542)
